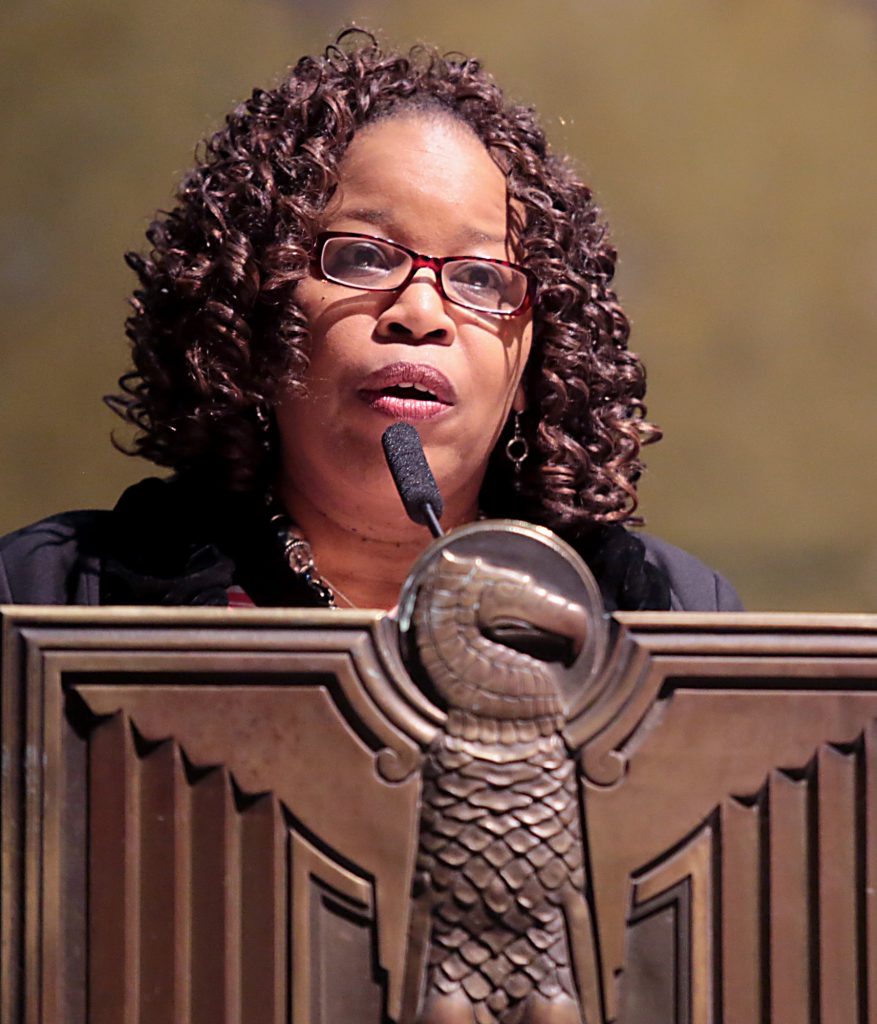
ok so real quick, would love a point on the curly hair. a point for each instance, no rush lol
(217, 335)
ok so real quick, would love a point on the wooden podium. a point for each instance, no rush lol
(213, 816)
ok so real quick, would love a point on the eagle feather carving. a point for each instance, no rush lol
(500, 859)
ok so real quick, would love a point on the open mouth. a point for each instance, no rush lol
(408, 391)
(415, 392)
(405, 402)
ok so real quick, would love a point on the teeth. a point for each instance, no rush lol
(415, 387)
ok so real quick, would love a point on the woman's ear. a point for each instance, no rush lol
(519, 403)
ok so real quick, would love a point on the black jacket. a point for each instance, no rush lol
(173, 542)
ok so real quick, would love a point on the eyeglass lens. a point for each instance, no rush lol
(373, 264)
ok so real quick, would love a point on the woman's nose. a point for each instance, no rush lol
(418, 312)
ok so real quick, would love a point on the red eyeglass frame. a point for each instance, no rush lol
(433, 263)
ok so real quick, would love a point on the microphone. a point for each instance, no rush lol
(413, 477)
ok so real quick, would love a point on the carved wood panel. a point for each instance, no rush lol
(199, 893)
(199, 869)
(208, 822)
(731, 809)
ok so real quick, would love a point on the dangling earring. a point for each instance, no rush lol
(263, 418)
(517, 450)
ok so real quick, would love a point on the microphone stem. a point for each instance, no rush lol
(431, 520)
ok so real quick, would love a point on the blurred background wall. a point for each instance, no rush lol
(734, 149)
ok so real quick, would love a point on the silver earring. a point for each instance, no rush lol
(263, 418)
(517, 449)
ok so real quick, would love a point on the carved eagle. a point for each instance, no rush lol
(500, 859)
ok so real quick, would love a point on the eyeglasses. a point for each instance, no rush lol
(376, 265)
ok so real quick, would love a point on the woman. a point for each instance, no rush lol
(300, 298)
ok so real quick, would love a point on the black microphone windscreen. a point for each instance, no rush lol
(411, 473)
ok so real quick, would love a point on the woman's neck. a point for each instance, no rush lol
(363, 553)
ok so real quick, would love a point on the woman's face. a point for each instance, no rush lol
(429, 184)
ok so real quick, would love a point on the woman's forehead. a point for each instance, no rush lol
(423, 175)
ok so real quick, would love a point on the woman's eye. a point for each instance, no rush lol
(357, 260)
(480, 279)
(364, 254)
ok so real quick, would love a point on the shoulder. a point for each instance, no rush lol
(54, 561)
(638, 572)
(694, 587)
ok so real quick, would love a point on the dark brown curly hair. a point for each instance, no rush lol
(217, 335)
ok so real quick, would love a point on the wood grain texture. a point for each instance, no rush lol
(788, 871)
(164, 845)
(766, 730)
(264, 978)
(837, 885)
(866, 805)
(114, 871)
(743, 954)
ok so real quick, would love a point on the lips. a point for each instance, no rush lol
(408, 391)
